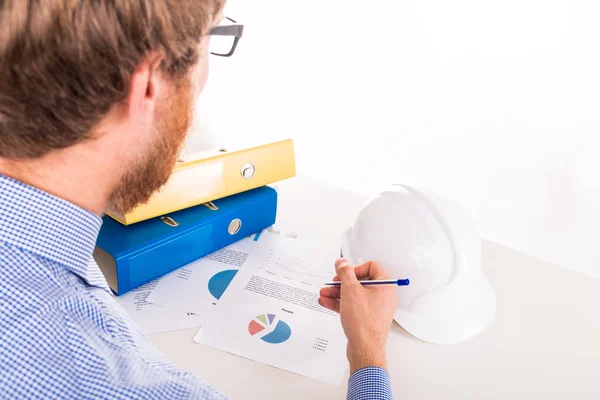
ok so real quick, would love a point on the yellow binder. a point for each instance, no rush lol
(215, 174)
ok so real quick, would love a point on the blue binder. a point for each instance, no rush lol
(130, 256)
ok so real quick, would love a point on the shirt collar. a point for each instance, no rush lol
(50, 227)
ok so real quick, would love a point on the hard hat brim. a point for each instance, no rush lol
(468, 308)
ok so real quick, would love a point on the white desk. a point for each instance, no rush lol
(544, 343)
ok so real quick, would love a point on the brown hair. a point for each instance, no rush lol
(65, 63)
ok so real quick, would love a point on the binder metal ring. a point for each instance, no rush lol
(234, 226)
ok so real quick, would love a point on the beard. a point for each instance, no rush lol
(152, 169)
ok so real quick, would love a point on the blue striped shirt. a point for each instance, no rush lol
(63, 335)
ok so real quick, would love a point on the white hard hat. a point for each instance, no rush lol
(415, 234)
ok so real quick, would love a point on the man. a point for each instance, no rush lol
(96, 98)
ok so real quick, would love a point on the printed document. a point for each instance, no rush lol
(152, 318)
(196, 287)
(270, 311)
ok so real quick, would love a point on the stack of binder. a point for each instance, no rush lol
(211, 200)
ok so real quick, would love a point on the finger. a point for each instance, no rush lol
(346, 272)
(337, 262)
(331, 292)
(330, 304)
(371, 270)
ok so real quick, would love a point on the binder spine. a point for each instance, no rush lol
(151, 262)
(207, 179)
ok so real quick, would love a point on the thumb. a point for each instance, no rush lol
(345, 271)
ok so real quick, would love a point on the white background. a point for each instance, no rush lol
(493, 103)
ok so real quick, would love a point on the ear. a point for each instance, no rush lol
(145, 86)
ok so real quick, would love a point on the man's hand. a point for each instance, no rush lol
(366, 312)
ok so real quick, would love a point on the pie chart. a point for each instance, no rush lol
(278, 332)
(219, 282)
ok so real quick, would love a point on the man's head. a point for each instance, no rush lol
(124, 72)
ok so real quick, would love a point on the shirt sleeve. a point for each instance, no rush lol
(370, 383)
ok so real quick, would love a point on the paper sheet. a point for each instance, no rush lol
(196, 287)
(152, 318)
(279, 322)
(290, 257)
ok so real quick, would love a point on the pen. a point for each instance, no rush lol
(395, 282)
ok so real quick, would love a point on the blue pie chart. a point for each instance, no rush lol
(280, 334)
(218, 283)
